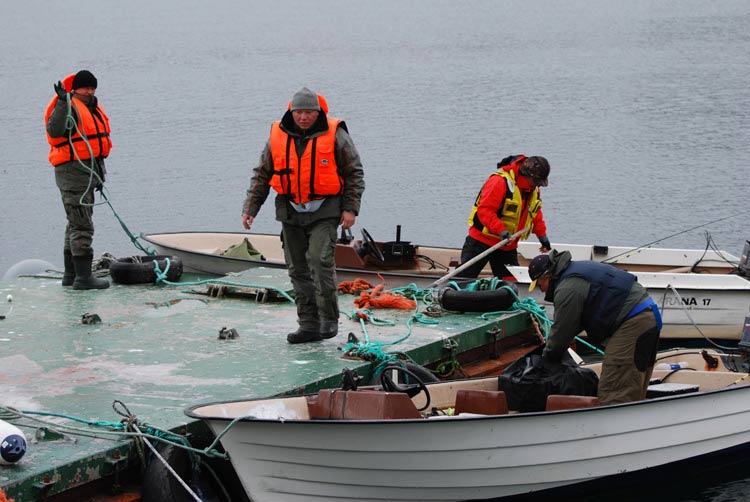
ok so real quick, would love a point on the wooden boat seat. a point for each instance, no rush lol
(560, 402)
(348, 257)
(484, 402)
(337, 404)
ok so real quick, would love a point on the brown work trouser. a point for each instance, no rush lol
(78, 199)
(309, 251)
(629, 360)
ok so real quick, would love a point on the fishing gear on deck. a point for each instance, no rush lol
(478, 257)
(483, 295)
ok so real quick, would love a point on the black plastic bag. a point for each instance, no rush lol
(529, 380)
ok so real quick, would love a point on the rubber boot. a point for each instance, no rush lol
(328, 329)
(84, 278)
(70, 271)
(303, 336)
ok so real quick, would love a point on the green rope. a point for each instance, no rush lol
(117, 426)
(130, 234)
(71, 125)
(97, 423)
(374, 350)
(447, 368)
(529, 305)
(9, 413)
(370, 350)
(484, 284)
(413, 292)
(425, 296)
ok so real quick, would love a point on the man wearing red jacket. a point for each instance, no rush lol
(510, 200)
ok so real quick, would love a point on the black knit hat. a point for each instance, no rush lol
(537, 168)
(84, 78)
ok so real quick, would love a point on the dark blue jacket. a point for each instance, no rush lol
(608, 292)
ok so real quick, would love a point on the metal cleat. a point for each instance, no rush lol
(228, 333)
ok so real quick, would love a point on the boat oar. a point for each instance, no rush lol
(478, 257)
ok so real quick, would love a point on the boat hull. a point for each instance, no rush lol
(478, 458)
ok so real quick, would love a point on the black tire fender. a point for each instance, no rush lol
(421, 372)
(140, 269)
(477, 301)
(159, 485)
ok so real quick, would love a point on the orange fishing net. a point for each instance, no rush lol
(3, 498)
(384, 300)
(354, 287)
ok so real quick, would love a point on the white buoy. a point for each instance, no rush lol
(12, 443)
(9, 298)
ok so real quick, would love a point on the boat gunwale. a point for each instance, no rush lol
(149, 237)
(275, 264)
(645, 402)
(279, 264)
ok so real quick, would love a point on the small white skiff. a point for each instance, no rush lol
(368, 445)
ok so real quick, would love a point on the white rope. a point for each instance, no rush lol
(169, 467)
(687, 312)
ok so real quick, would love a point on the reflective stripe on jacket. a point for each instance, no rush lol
(608, 292)
(95, 127)
(314, 175)
(512, 210)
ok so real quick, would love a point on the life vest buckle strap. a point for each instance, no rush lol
(644, 305)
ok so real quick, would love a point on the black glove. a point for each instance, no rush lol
(99, 177)
(60, 91)
(544, 241)
(504, 235)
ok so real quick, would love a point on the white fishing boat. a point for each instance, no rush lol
(368, 445)
(701, 292)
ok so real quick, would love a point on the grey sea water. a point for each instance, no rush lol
(642, 108)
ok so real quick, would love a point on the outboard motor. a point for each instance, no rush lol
(744, 265)
(744, 344)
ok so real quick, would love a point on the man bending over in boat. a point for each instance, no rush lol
(615, 311)
(311, 162)
(510, 200)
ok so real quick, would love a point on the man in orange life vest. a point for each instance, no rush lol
(311, 162)
(77, 151)
(509, 201)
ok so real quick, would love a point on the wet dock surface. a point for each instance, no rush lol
(157, 350)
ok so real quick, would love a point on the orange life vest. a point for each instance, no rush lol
(314, 175)
(95, 127)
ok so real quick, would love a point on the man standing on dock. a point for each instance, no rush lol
(510, 200)
(78, 135)
(311, 162)
(615, 311)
